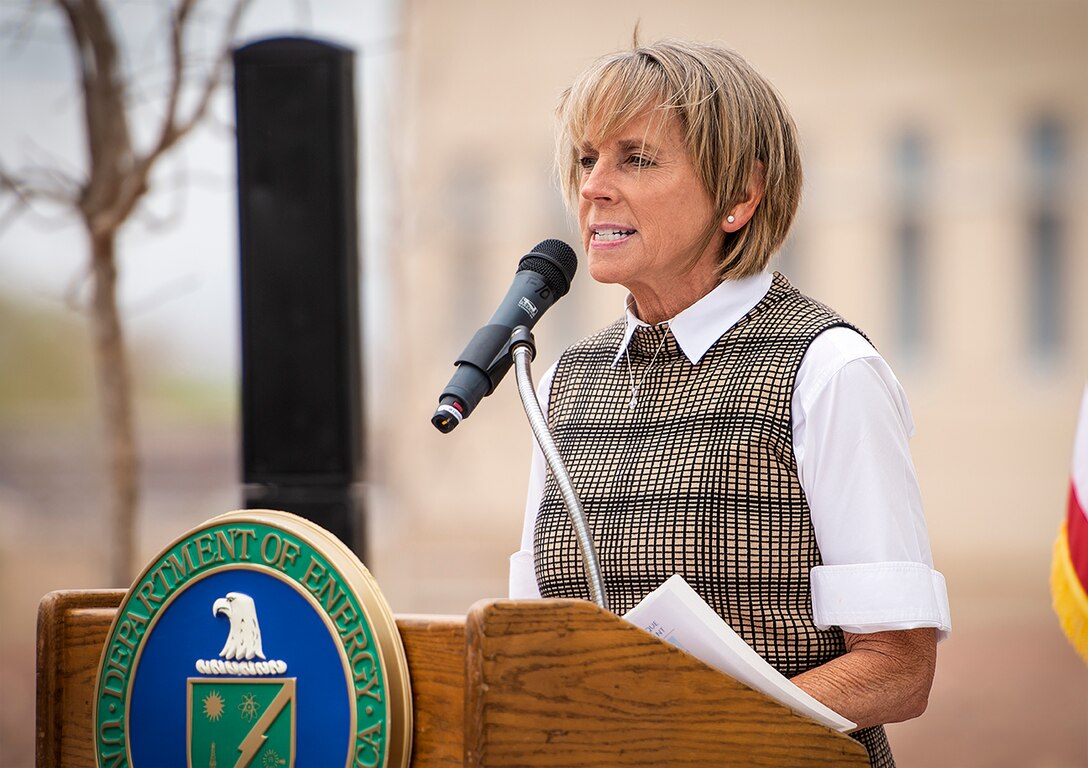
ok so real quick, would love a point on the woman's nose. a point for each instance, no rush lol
(598, 183)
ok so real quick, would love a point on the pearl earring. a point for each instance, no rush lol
(730, 218)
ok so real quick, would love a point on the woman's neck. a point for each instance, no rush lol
(656, 304)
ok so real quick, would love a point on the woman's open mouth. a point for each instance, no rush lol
(611, 235)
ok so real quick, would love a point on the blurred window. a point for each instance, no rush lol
(467, 200)
(1046, 238)
(911, 177)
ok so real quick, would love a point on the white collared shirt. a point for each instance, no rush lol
(851, 427)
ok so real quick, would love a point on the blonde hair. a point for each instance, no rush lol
(731, 116)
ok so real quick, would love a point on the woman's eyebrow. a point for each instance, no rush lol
(638, 145)
(624, 145)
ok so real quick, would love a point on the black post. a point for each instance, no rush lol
(301, 379)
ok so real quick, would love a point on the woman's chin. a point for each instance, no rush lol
(606, 270)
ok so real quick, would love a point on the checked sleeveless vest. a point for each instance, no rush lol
(699, 479)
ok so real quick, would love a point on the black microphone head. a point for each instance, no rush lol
(555, 261)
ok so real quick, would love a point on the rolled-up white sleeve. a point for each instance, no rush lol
(523, 584)
(851, 427)
(855, 597)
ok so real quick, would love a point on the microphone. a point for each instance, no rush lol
(543, 277)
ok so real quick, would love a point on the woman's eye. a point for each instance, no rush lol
(640, 161)
(586, 162)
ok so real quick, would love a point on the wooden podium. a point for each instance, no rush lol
(515, 683)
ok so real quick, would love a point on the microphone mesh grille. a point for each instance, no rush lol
(555, 261)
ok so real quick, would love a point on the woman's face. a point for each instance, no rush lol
(644, 214)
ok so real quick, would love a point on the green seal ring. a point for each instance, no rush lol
(321, 569)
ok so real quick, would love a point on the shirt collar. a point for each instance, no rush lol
(703, 323)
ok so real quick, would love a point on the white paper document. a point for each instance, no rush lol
(675, 613)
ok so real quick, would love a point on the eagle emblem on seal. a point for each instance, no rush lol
(244, 639)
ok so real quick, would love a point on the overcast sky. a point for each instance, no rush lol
(178, 281)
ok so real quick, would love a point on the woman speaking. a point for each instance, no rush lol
(728, 428)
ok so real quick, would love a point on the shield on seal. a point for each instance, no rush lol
(241, 722)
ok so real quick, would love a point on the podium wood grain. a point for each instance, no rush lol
(538, 683)
(564, 683)
(72, 628)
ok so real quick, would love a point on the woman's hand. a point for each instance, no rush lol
(883, 677)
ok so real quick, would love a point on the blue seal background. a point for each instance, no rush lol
(291, 630)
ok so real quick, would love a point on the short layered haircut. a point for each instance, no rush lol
(733, 121)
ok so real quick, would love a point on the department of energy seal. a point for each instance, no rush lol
(256, 639)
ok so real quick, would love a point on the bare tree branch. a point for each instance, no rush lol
(10, 215)
(117, 178)
(18, 30)
(177, 75)
(128, 187)
(50, 185)
(175, 127)
(14, 185)
(109, 143)
(48, 169)
(176, 185)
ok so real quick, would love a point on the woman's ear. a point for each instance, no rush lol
(739, 215)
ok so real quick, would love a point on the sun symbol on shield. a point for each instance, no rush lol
(249, 707)
(213, 706)
(272, 759)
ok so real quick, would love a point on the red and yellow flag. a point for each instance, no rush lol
(1069, 572)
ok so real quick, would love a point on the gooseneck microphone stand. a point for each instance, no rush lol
(523, 349)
